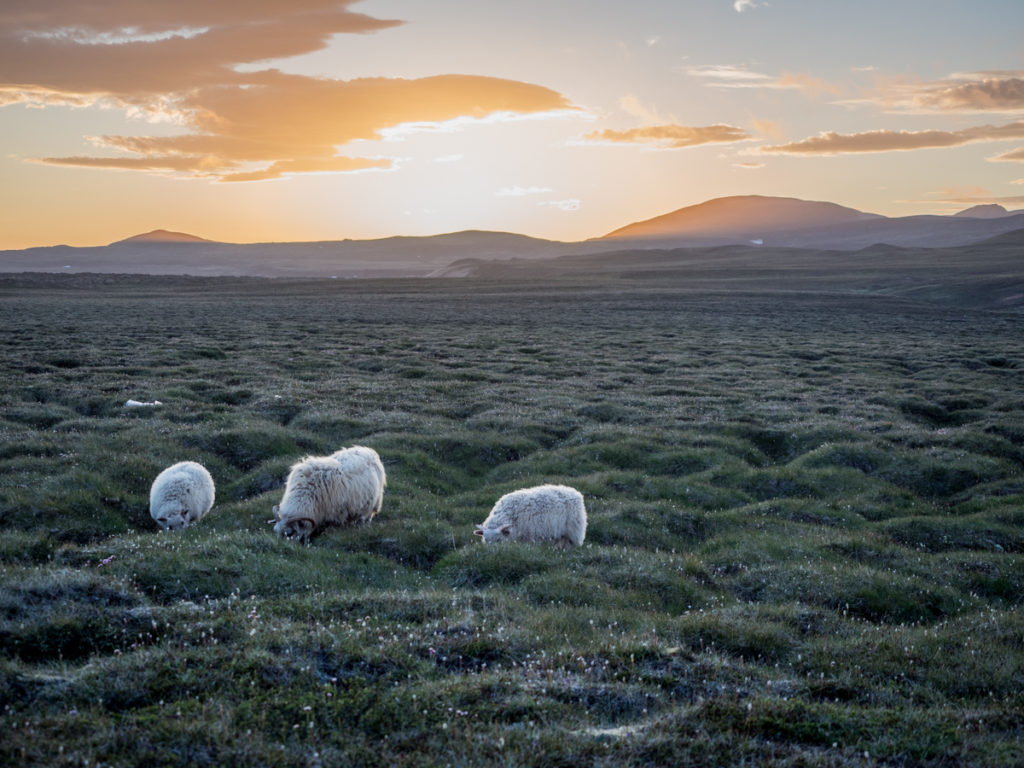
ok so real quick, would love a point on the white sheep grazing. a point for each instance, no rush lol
(181, 495)
(345, 487)
(544, 513)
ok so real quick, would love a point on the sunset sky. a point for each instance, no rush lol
(274, 120)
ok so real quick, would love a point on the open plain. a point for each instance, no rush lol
(805, 545)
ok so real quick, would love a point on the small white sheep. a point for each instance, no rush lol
(344, 488)
(544, 513)
(181, 495)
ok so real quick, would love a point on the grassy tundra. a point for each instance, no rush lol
(805, 541)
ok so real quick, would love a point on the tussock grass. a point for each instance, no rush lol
(804, 542)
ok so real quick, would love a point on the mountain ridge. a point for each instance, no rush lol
(767, 222)
(985, 211)
(161, 236)
(741, 215)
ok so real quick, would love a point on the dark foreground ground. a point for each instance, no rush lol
(806, 540)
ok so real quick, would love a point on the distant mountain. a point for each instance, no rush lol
(987, 211)
(793, 223)
(770, 223)
(161, 236)
(742, 218)
(171, 253)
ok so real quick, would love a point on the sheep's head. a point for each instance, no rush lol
(492, 535)
(300, 528)
(171, 519)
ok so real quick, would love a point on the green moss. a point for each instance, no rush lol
(800, 548)
(245, 448)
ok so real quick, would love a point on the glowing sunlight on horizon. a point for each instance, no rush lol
(333, 119)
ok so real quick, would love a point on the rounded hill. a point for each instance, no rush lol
(161, 236)
(741, 216)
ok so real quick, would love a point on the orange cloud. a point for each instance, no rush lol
(301, 110)
(179, 59)
(832, 143)
(669, 136)
(986, 94)
(1013, 156)
(1001, 91)
(196, 165)
(295, 123)
(316, 165)
(65, 18)
(130, 50)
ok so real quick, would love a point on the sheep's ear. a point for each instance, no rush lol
(479, 531)
(277, 511)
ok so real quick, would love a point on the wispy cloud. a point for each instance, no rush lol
(742, 5)
(571, 204)
(400, 131)
(729, 76)
(631, 105)
(958, 197)
(194, 164)
(1013, 156)
(769, 129)
(669, 136)
(282, 168)
(205, 166)
(832, 143)
(1000, 91)
(521, 191)
(748, 166)
(183, 62)
(986, 199)
(975, 92)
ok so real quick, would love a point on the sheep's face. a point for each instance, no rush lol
(494, 535)
(172, 519)
(300, 528)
